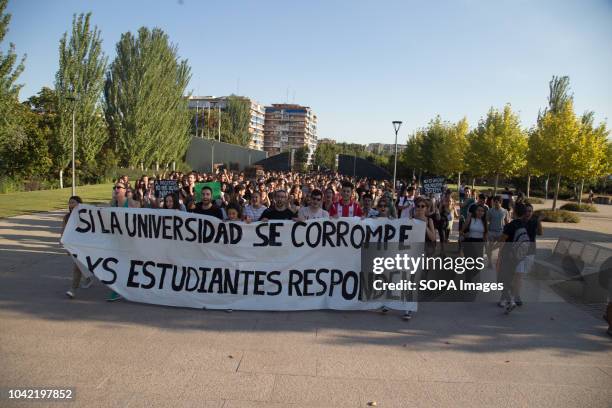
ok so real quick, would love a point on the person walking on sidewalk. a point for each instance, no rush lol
(73, 202)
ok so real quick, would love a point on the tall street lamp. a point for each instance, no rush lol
(396, 126)
(73, 99)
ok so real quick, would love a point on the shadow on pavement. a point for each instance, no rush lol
(34, 278)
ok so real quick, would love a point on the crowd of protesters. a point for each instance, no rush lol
(484, 222)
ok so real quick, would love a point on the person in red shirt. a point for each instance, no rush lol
(346, 207)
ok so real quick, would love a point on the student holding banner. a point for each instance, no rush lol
(254, 210)
(73, 202)
(206, 207)
(279, 210)
(313, 210)
(346, 207)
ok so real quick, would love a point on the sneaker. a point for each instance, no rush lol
(510, 307)
(113, 297)
(87, 283)
(407, 315)
(70, 294)
(503, 304)
(384, 309)
(518, 301)
(229, 310)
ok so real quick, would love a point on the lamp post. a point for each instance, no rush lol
(396, 126)
(73, 99)
(219, 122)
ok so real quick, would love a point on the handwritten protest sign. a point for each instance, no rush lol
(165, 187)
(176, 258)
(433, 185)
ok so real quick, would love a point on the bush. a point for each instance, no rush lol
(10, 185)
(535, 200)
(579, 207)
(558, 216)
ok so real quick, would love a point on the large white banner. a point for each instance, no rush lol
(175, 258)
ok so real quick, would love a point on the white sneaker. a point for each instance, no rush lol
(229, 310)
(407, 315)
(503, 304)
(384, 309)
(70, 294)
(86, 284)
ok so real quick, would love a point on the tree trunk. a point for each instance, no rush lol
(581, 188)
(458, 181)
(157, 166)
(554, 206)
(61, 177)
(496, 182)
(528, 184)
(473, 183)
(546, 187)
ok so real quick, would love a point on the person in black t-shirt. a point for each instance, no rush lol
(206, 207)
(279, 210)
(516, 255)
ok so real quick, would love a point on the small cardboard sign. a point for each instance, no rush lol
(165, 187)
(433, 185)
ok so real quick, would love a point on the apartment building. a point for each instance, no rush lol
(256, 124)
(289, 126)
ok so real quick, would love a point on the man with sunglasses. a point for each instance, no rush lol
(119, 196)
(383, 209)
(314, 210)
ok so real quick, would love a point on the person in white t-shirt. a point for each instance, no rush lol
(252, 212)
(405, 204)
(313, 210)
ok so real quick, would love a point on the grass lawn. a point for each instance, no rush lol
(45, 200)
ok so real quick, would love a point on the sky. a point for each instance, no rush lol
(358, 64)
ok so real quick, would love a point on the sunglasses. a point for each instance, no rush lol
(119, 188)
(316, 198)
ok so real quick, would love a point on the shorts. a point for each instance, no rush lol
(493, 236)
(524, 266)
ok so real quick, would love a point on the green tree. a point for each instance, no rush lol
(145, 107)
(498, 145)
(78, 86)
(235, 121)
(439, 148)
(325, 155)
(11, 131)
(411, 157)
(29, 156)
(557, 136)
(590, 160)
(300, 158)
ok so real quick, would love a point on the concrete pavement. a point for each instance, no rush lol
(131, 355)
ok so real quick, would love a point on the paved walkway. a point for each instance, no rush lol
(134, 355)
